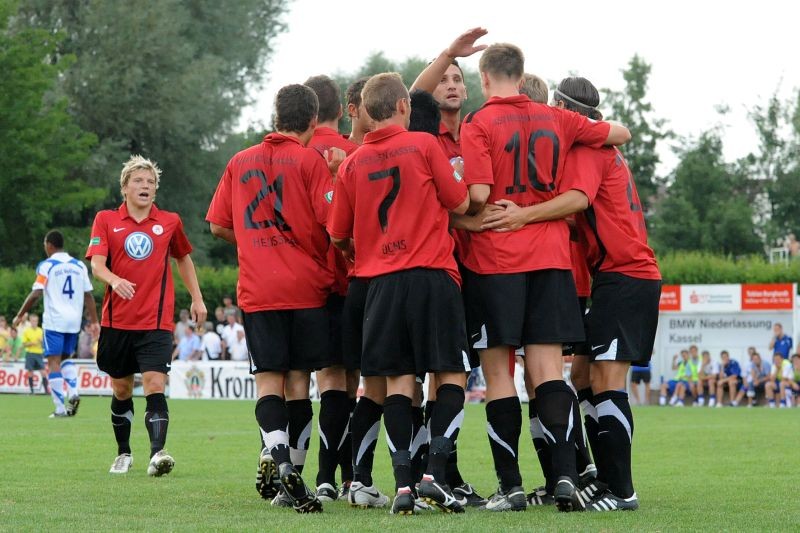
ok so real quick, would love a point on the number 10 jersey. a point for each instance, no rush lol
(519, 147)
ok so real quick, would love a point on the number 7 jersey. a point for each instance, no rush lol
(519, 147)
(392, 196)
(275, 197)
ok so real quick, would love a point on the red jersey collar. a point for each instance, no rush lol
(383, 133)
(123, 212)
(324, 130)
(276, 138)
(444, 131)
(516, 99)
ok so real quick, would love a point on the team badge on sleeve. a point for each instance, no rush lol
(94, 241)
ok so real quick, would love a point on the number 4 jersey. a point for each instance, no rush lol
(392, 196)
(275, 197)
(64, 280)
(519, 147)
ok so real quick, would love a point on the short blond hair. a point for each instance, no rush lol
(503, 60)
(534, 88)
(381, 93)
(137, 162)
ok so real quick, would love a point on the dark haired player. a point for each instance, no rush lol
(391, 202)
(337, 399)
(521, 284)
(130, 250)
(64, 283)
(272, 202)
(625, 293)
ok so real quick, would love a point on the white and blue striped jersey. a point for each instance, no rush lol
(64, 281)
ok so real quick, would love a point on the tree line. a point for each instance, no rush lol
(88, 82)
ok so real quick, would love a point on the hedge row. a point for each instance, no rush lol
(676, 268)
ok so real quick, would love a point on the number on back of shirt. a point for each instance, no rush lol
(67, 288)
(513, 146)
(383, 208)
(263, 194)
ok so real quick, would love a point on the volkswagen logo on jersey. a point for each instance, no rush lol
(138, 245)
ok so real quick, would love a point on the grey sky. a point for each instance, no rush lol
(704, 53)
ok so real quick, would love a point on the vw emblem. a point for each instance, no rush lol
(138, 245)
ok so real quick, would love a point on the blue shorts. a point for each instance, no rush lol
(56, 343)
(671, 384)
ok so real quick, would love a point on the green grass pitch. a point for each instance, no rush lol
(694, 469)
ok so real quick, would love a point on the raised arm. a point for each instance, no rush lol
(463, 46)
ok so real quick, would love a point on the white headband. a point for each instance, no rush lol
(556, 92)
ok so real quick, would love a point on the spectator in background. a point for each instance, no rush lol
(16, 351)
(694, 370)
(212, 343)
(219, 319)
(780, 343)
(795, 385)
(190, 347)
(181, 325)
(238, 349)
(707, 379)
(731, 375)
(86, 341)
(792, 246)
(33, 342)
(5, 335)
(639, 375)
(227, 304)
(757, 378)
(677, 387)
(780, 381)
(230, 331)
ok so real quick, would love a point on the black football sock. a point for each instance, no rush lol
(334, 414)
(589, 407)
(397, 420)
(420, 437)
(503, 424)
(30, 383)
(156, 418)
(445, 425)
(273, 417)
(300, 415)
(615, 437)
(582, 457)
(366, 425)
(44, 385)
(121, 419)
(346, 450)
(554, 401)
(541, 447)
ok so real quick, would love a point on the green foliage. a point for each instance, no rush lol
(408, 69)
(631, 107)
(705, 267)
(707, 205)
(41, 147)
(163, 79)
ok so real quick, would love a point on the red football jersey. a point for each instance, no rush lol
(323, 139)
(613, 225)
(392, 196)
(275, 196)
(139, 252)
(519, 148)
(580, 270)
(450, 146)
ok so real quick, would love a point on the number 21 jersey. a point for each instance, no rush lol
(519, 147)
(275, 197)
